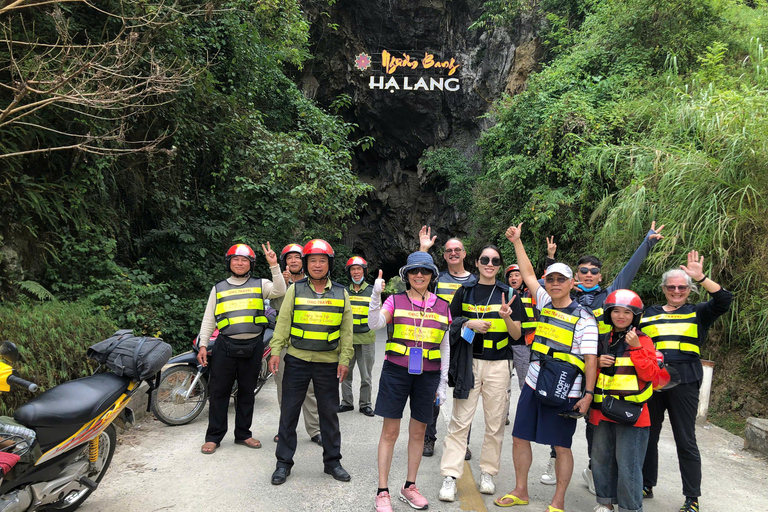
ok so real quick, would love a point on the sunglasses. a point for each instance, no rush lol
(484, 260)
(560, 279)
(589, 270)
(672, 287)
(457, 251)
(422, 271)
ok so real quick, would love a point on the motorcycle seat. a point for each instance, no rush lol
(72, 403)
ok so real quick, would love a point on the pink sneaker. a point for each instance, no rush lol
(413, 497)
(382, 503)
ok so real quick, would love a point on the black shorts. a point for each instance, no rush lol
(542, 424)
(396, 385)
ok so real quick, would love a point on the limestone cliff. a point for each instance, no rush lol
(405, 123)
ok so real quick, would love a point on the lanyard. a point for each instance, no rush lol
(485, 309)
(423, 312)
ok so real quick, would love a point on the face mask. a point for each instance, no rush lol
(358, 281)
(585, 289)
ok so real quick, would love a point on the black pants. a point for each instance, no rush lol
(298, 374)
(682, 403)
(224, 371)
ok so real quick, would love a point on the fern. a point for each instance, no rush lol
(37, 290)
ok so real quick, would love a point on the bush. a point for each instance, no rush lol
(52, 338)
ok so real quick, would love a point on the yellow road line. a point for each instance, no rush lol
(469, 497)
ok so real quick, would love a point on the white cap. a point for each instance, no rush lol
(559, 268)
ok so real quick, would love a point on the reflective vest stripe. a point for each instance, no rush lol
(687, 330)
(403, 350)
(677, 345)
(235, 305)
(623, 384)
(423, 334)
(667, 316)
(316, 317)
(418, 315)
(499, 345)
(319, 302)
(554, 334)
(238, 291)
(241, 320)
(315, 335)
(316, 320)
(569, 358)
(446, 291)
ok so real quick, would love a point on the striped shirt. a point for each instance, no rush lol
(584, 343)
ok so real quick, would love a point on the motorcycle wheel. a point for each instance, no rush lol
(264, 376)
(168, 402)
(107, 442)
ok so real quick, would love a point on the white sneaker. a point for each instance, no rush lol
(448, 490)
(604, 508)
(549, 478)
(486, 483)
(587, 474)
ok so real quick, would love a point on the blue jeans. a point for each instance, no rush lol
(618, 452)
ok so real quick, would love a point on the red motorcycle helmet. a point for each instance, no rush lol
(512, 267)
(317, 246)
(667, 377)
(240, 250)
(289, 249)
(625, 299)
(356, 260)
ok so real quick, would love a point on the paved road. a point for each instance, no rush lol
(159, 468)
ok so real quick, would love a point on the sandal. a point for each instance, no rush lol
(515, 501)
(553, 509)
(250, 443)
(209, 447)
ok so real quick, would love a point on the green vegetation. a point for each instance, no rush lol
(52, 339)
(192, 138)
(652, 111)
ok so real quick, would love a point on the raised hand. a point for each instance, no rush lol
(657, 235)
(695, 267)
(269, 254)
(426, 240)
(551, 246)
(378, 285)
(513, 233)
(632, 339)
(506, 307)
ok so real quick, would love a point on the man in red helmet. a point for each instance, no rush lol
(363, 339)
(315, 325)
(236, 307)
(293, 270)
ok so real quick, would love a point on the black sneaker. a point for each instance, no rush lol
(647, 492)
(429, 448)
(690, 505)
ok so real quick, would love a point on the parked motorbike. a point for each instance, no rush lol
(65, 438)
(181, 395)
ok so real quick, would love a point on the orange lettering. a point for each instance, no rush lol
(428, 61)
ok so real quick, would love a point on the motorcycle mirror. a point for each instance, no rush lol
(9, 352)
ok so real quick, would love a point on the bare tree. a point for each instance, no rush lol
(108, 80)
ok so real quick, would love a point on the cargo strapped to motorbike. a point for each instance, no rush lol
(140, 358)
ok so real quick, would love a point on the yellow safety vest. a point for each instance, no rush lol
(623, 384)
(240, 309)
(675, 334)
(554, 334)
(361, 303)
(316, 320)
(497, 336)
(447, 285)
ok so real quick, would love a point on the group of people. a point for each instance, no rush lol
(579, 350)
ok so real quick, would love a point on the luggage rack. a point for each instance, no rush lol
(14, 443)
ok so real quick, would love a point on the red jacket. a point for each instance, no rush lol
(644, 359)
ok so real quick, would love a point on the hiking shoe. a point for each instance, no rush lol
(587, 474)
(413, 497)
(690, 505)
(647, 492)
(429, 448)
(383, 502)
(486, 483)
(549, 478)
(448, 490)
(604, 508)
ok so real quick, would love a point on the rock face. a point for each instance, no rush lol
(406, 123)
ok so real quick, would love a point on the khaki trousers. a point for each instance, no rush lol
(308, 408)
(491, 382)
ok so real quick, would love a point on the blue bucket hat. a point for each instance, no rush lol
(419, 260)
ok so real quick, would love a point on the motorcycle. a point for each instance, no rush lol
(182, 392)
(65, 438)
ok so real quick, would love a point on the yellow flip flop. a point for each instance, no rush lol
(553, 509)
(515, 501)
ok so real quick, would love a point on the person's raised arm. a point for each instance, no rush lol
(526, 269)
(377, 317)
(426, 241)
(628, 273)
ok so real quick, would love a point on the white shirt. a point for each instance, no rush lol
(585, 339)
